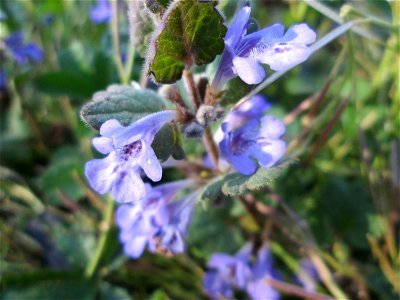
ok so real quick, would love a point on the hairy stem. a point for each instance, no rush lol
(211, 147)
(192, 89)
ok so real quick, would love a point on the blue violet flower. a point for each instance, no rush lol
(129, 150)
(158, 221)
(244, 53)
(225, 272)
(249, 137)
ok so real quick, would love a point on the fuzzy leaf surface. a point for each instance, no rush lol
(123, 103)
(192, 32)
(236, 184)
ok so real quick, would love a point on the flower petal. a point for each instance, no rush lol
(261, 290)
(300, 34)
(110, 127)
(243, 164)
(271, 127)
(275, 148)
(135, 247)
(248, 69)
(238, 27)
(283, 56)
(126, 215)
(149, 163)
(102, 172)
(144, 128)
(128, 186)
(269, 35)
(103, 144)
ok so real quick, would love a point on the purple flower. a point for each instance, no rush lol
(157, 221)
(254, 108)
(101, 12)
(21, 52)
(244, 53)
(225, 272)
(250, 136)
(170, 238)
(129, 150)
(257, 287)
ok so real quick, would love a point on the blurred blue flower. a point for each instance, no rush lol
(250, 136)
(171, 237)
(157, 221)
(129, 150)
(226, 272)
(101, 12)
(244, 53)
(22, 53)
(257, 287)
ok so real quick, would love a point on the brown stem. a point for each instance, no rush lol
(318, 102)
(211, 147)
(192, 89)
(295, 290)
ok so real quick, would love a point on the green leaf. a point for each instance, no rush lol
(63, 83)
(238, 184)
(167, 142)
(108, 291)
(192, 32)
(212, 190)
(215, 230)
(76, 245)
(61, 177)
(52, 289)
(124, 103)
(159, 295)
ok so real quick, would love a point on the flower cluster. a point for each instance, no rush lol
(153, 217)
(249, 136)
(227, 272)
(129, 150)
(244, 53)
(158, 221)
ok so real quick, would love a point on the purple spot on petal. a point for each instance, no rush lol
(130, 150)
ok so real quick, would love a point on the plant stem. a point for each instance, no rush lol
(211, 147)
(115, 41)
(129, 64)
(105, 229)
(192, 89)
(294, 290)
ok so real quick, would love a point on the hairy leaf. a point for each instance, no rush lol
(167, 142)
(128, 104)
(238, 184)
(123, 103)
(191, 32)
(212, 190)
